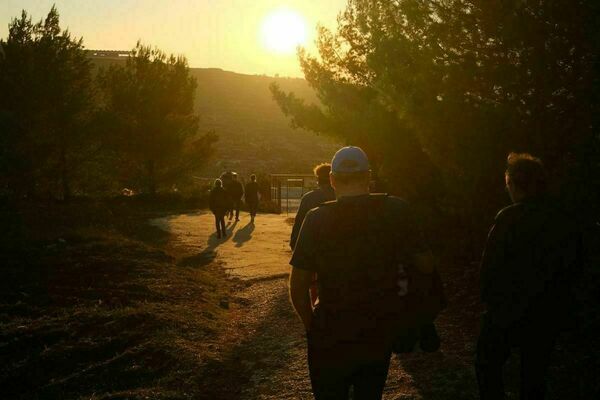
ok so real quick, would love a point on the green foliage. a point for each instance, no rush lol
(149, 104)
(461, 83)
(63, 132)
(45, 98)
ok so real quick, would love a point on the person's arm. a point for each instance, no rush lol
(303, 266)
(491, 261)
(211, 201)
(300, 281)
(300, 215)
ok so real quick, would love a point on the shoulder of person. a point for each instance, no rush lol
(322, 209)
(393, 201)
(312, 215)
(329, 203)
(393, 204)
(308, 195)
(509, 212)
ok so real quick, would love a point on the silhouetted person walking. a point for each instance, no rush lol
(227, 178)
(236, 192)
(312, 199)
(359, 246)
(218, 203)
(251, 196)
(528, 266)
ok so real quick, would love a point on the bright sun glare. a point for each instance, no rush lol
(283, 30)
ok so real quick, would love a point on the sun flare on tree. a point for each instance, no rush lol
(283, 30)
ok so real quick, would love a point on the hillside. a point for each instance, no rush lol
(254, 135)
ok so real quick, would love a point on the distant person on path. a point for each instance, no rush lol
(227, 178)
(251, 197)
(359, 246)
(530, 260)
(324, 192)
(236, 192)
(218, 203)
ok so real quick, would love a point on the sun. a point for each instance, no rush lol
(283, 30)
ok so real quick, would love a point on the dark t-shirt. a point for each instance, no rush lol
(228, 186)
(236, 190)
(529, 263)
(251, 192)
(309, 201)
(355, 246)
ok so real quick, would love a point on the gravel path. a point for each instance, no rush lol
(262, 352)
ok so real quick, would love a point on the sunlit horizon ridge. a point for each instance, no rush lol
(223, 35)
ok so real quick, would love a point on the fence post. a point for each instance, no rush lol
(279, 194)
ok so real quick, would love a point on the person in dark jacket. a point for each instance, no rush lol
(527, 270)
(236, 192)
(218, 203)
(312, 199)
(323, 193)
(227, 179)
(251, 196)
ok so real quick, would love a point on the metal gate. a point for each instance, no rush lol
(288, 189)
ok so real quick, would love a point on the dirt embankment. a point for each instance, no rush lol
(92, 306)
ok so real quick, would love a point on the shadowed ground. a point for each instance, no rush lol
(263, 350)
(162, 309)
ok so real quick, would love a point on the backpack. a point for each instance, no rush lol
(390, 285)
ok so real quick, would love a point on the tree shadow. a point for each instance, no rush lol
(199, 260)
(243, 235)
(140, 229)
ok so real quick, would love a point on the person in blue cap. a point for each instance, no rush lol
(362, 246)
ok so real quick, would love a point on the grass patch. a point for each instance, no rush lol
(92, 307)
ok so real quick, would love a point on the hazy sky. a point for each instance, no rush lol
(226, 34)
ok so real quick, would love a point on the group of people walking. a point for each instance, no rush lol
(365, 285)
(225, 199)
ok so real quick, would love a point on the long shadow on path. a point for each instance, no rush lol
(243, 235)
(208, 254)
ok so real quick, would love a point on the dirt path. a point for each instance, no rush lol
(261, 354)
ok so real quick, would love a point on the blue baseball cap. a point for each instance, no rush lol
(349, 159)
